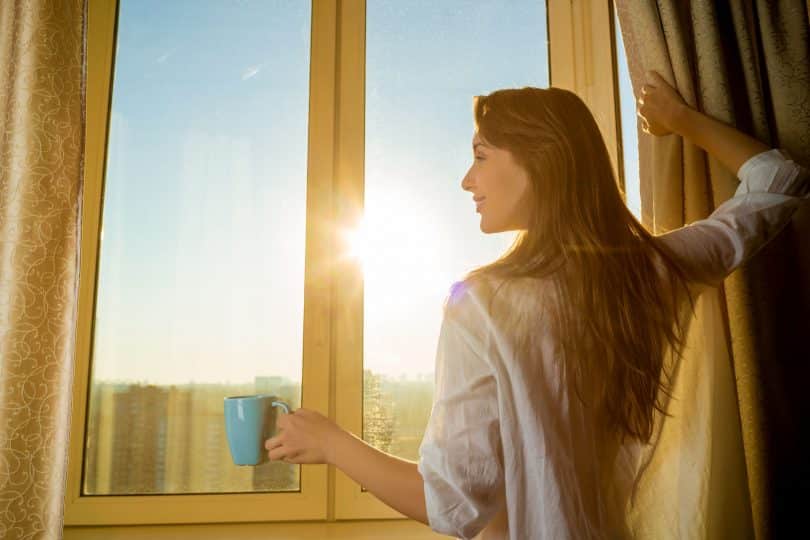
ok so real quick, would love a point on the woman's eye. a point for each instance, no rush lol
(478, 157)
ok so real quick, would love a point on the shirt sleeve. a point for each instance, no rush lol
(771, 188)
(460, 457)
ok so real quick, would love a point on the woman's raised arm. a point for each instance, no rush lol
(772, 187)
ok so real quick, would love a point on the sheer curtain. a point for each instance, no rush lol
(726, 463)
(41, 147)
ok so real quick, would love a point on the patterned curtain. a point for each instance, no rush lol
(41, 147)
(731, 463)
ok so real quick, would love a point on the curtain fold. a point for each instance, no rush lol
(41, 149)
(731, 461)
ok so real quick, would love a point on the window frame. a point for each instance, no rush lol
(333, 308)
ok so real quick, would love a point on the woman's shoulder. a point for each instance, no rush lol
(484, 297)
(467, 296)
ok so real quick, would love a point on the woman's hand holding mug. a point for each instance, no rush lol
(304, 436)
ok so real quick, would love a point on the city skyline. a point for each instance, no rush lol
(153, 439)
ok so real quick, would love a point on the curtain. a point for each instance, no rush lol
(41, 146)
(730, 462)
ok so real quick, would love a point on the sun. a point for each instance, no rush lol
(399, 242)
(356, 241)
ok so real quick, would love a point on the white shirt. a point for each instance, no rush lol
(507, 453)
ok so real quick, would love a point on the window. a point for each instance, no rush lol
(282, 212)
(200, 280)
(202, 277)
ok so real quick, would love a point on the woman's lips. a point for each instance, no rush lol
(479, 204)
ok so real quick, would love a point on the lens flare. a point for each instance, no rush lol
(356, 241)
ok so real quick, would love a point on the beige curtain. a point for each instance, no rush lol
(730, 463)
(41, 145)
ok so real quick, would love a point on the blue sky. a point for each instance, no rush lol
(629, 122)
(202, 254)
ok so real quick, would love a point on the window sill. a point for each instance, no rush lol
(355, 530)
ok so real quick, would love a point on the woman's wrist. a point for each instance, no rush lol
(339, 444)
(681, 119)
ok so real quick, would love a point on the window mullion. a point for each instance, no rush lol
(350, 502)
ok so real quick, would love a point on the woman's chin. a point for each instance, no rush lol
(486, 227)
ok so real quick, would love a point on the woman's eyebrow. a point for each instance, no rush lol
(476, 145)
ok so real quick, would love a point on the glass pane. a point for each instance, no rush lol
(425, 62)
(201, 265)
(629, 122)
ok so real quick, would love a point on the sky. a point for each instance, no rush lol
(629, 122)
(202, 248)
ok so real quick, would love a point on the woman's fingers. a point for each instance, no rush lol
(645, 126)
(272, 442)
(278, 450)
(287, 455)
(651, 127)
(277, 453)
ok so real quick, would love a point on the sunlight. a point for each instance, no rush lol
(397, 241)
(409, 247)
(356, 241)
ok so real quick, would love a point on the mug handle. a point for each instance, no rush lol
(282, 405)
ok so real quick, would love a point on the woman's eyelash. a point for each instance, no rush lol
(479, 157)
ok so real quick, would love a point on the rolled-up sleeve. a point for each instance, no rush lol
(771, 188)
(460, 457)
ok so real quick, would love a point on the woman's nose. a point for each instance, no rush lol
(465, 182)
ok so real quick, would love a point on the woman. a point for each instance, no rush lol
(552, 360)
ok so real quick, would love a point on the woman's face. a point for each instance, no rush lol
(500, 188)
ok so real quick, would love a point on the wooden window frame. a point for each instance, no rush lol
(333, 309)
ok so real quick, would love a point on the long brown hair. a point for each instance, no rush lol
(616, 316)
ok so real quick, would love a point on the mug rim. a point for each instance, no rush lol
(251, 396)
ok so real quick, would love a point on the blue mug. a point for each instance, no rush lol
(248, 425)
